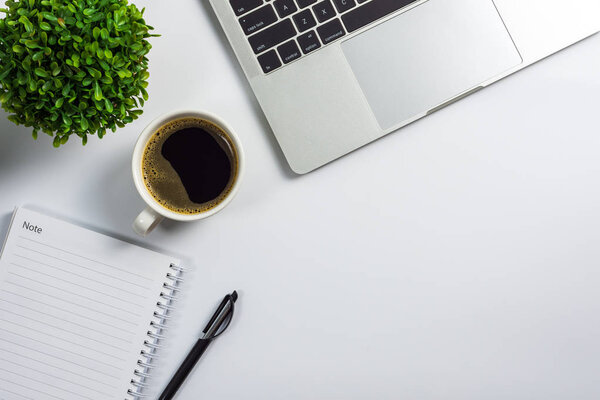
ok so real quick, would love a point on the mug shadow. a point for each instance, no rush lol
(111, 195)
(112, 232)
(215, 26)
(170, 226)
(121, 203)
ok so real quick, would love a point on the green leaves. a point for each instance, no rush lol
(83, 123)
(48, 15)
(32, 44)
(94, 73)
(98, 92)
(73, 66)
(27, 24)
(124, 73)
(37, 56)
(55, 68)
(41, 73)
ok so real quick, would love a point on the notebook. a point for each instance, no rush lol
(81, 314)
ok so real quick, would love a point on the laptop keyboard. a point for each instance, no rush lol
(281, 31)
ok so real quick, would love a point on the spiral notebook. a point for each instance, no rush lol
(81, 313)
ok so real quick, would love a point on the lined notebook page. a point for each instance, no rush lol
(75, 307)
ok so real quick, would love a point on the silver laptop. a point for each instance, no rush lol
(334, 75)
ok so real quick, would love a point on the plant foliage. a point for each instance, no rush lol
(73, 66)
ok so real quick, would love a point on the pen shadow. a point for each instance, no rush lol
(215, 25)
(186, 344)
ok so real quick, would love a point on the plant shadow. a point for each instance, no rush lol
(4, 224)
(16, 145)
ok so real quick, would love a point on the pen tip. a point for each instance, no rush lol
(234, 295)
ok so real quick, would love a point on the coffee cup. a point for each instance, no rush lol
(187, 166)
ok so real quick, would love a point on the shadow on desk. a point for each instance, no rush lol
(17, 145)
(216, 28)
(4, 224)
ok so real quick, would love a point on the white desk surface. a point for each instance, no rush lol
(456, 259)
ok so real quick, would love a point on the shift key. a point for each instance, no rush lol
(272, 36)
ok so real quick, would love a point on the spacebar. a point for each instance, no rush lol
(371, 12)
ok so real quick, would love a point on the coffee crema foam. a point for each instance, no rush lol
(162, 180)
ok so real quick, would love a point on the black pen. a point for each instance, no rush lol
(217, 325)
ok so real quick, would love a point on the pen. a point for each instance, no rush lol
(217, 325)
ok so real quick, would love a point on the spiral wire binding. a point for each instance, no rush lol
(155, 334)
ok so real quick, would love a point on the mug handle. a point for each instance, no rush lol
(146, 221)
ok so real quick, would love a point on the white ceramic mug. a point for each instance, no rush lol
(154, 212)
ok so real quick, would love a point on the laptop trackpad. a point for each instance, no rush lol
(423, 58)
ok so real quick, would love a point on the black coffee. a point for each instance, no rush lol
(189, 165)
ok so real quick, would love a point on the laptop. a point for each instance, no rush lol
(334, 75)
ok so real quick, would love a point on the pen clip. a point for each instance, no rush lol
(228, 298)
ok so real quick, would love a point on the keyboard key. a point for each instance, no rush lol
(304, 20)
(258, 19)
(324, 11)
(344, 5)
(309, 42)
(305, 3)
(289, 51)
(243, 6)
(269, 61)
(272, 36)
(285, 7)
(371, 12)
(331, 31)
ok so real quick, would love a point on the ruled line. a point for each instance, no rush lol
(46, 334)
(89, 259)
(47, 384)
(86, 268)
(72, 304)
(62, 329)
(62, 369)
(28, 388)
(17, 394)
(74, 294)
(56, 357)
(61, 309)
(69, 343)
(62, 320)
(58, 348)
(84, 277)
(78, 285)
(56, 377)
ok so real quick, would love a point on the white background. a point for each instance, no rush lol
(456, 259)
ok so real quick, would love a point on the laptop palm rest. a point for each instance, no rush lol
(427, 56)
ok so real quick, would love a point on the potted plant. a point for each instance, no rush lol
(73, 66)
